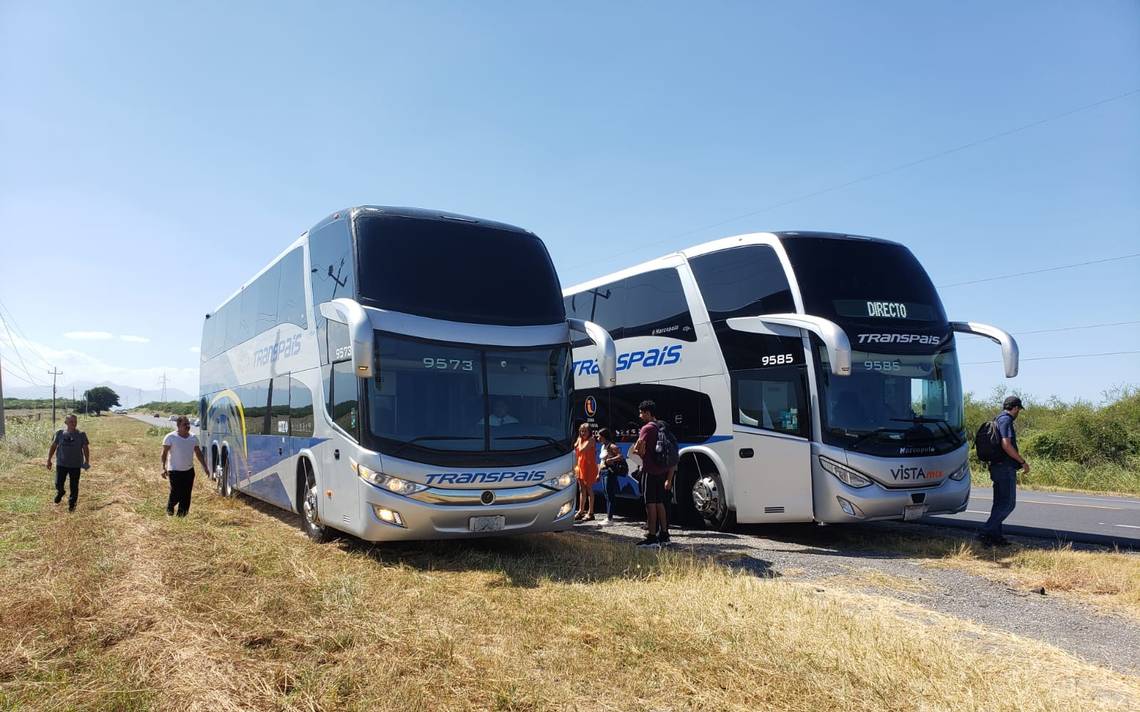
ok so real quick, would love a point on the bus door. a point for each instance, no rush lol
(771, 445)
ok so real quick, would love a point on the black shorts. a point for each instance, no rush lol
(653, 488)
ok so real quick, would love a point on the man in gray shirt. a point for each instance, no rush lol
(70, 444)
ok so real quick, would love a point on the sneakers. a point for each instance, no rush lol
(649, 542)
(71, 506)
(664, 540)
(59, 498)
(986, 539)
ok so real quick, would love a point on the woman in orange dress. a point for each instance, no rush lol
(586, 467)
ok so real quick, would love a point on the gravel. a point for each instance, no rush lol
(815, 554)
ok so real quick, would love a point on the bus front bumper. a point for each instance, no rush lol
(836, 502)
(390, 517)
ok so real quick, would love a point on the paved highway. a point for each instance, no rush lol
(1094, 519)
(160, 422)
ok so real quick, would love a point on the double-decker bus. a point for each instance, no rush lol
(398, 373)
(807, 376)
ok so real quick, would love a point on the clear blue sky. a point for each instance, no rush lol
(154, 155)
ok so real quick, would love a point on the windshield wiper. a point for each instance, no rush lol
(942, 423)
(419, 438)
(543, 438)
(860, 439)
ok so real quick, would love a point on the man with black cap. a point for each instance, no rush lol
(1003, 471)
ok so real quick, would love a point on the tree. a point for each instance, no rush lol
(100, 398)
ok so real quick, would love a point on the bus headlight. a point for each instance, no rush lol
(392, 484)
(961, 473)
(561, 482)
(843, 473)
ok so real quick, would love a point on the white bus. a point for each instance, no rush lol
(397, 373)
(807, 376)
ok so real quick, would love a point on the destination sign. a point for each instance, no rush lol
(876, 309)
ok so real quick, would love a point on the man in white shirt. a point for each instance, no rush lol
(180, 447)
(500, 415)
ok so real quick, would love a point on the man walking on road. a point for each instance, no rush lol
(71, 445)
(1003, 472)
(180, 447)
(658, 477)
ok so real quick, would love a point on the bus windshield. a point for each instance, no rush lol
(456, 271)
(893, 404)
(452, 404)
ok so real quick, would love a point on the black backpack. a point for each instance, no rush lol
(987, 442)
(667, 453)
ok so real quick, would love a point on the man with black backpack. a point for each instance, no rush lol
(996, 443)
(657, 449)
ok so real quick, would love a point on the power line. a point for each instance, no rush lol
(1040, 271)
(1075, 328)
(20, 332)
(12, 341)
(1055, 358)
(19, 378)
(879, 174)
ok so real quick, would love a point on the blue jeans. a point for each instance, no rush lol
(610, 478)
(1004, 476)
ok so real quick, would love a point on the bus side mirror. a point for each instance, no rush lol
(833, 336)
(1010, 354)
(351, 314)
(607, 360)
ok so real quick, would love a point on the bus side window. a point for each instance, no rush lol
(770, 399)
(343, 397)
(300, 409)
(278, 415)
(332, 273)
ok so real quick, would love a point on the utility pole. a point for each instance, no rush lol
(54, 373)
(164, 387)
(1, 401)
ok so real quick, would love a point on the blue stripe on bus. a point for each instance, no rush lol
(263, 455)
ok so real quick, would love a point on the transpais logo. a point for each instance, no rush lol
(647, 358)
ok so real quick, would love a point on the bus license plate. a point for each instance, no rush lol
(488, 524)
(914, 512)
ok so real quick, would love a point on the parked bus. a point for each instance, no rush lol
(807, 376)
(398, 374)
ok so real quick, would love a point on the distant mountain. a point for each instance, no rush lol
(128, 395)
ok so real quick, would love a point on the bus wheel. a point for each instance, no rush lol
(222, 476)
(686, 478)
(709, 501)
(310, 498)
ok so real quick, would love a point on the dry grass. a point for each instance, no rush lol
(118, 607)
(1110, 579)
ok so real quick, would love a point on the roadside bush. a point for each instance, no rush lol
(24, 439)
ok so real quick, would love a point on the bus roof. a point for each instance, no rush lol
(722, 243)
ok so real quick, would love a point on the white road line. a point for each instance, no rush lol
(976, 511)
(1084, 499)
(1126, 526)
(1056, 504)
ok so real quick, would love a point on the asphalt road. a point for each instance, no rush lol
(1066, 516)
(160, 422)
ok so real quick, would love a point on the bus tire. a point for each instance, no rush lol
(308, 502)
(685, 512)
(222, 475)
(710, 502)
